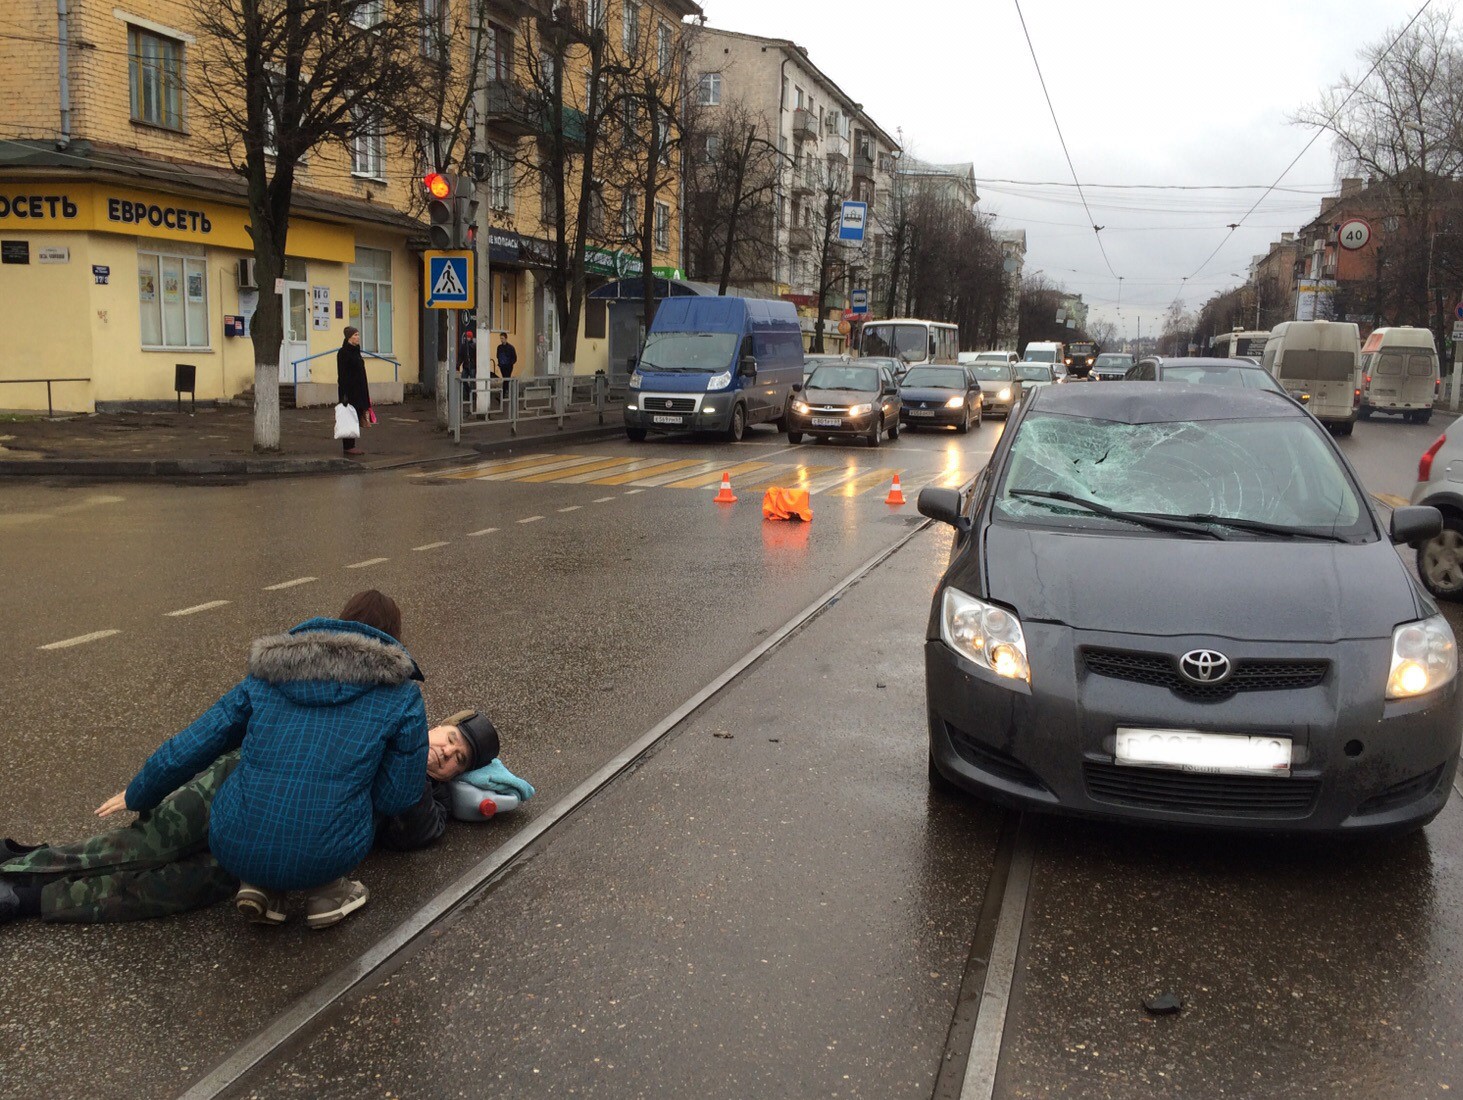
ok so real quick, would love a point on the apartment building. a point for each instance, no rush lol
(829, 145)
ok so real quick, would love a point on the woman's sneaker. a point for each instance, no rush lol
(333, 902)
(260, 906)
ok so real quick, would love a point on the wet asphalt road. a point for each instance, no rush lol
(771, 903)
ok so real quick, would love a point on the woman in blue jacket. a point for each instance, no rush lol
(331, 730)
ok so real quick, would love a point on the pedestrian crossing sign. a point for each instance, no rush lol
(451, 280)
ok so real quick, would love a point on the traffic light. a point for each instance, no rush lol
(464, 230)
(439, 209)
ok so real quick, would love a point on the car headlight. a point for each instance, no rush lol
(954, 402)
(636, 380)
(988, 635)
(1424, 658)
(801, 407)
(719, 381)
(861, 410)
(1004, 395)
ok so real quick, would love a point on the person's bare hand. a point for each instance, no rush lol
(116, 804)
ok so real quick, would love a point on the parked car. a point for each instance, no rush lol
(1440, 485)
(940, 396)
(1033, 376)
(1111, 366)
(1001, 386)
(1399, 374)
(1240, 373)
(846, 399)
(1176, 605)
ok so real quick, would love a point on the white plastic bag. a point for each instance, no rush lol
(347, 423)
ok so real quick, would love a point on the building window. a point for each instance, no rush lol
(370, 294)
(548, 201)
(713, 148)
(663, 46)
(172, 297)
(631, 37)
(500, 180)
(368, 13)
(500, 52)
(710, 90)
(629, 216)
(155, 68)
(368, 147)
(594, 14)
(596, 214)
(434, 28)
(662, 227)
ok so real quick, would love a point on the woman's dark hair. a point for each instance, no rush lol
(373, 608)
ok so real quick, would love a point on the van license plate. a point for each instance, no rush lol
(667, 419)
(1211, 753)
(827, 422)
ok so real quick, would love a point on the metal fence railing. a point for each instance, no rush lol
(489, 399)
(47, 382)
(294, 377)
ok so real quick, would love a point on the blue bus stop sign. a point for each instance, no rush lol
(851, 224)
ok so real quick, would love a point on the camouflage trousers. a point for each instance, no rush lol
(158, 865)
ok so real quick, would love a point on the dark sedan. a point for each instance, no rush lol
(845, 399)
(1240, 373)
(1175, 605)
(941, 397)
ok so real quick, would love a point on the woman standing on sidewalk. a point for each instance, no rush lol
(350, 376)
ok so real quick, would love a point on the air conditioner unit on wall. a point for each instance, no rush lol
(247, 277)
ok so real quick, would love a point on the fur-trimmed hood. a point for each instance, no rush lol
(324, 662)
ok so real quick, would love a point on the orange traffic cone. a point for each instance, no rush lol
(896, 494)
(726, 496)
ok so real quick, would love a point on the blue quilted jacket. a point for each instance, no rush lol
(332, 731)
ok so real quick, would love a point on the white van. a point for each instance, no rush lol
(1048, 352)
(1319, 362)
(1399, 373)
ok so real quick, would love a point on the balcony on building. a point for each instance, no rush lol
(801, 238)
(863, 167)
(510, 109)
(804, 125)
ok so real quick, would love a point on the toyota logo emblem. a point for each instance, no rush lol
(1204, 666)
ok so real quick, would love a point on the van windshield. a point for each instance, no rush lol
(1319, 366)
(1040, 355)
(692, 352)
(908, 342)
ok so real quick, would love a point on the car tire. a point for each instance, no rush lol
(964, 426)
(979, 414)
(794, 437)
(1364, 413)
(911, 427)
(876, 433)
(1423, 416)
(635, 435)
(738, 429)
(1440, 560)
(894, 430)
(784, 422)
(939, 783)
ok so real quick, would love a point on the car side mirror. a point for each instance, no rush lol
(889, 391)
(747, 368)
(944, 505)
(1416, 524)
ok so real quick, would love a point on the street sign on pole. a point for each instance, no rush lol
(451, 280)
(1354, 234)
(851, 224)
(858, 301)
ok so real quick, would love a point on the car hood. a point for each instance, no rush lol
(654, 381)
(1264, 589)
(838, 397)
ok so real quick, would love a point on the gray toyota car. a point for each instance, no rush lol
(1176, 605)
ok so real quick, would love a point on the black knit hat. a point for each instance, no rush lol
(481, 737)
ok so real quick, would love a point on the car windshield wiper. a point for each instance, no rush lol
(1261, 527)
(1142, 519)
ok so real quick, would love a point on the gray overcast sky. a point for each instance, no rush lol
(1147, 92)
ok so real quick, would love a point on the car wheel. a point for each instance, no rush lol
(1346, 429)
(876, 433)
(964, 426)
(911, 427)
(783, 422)
(635, 435)
(894, 430)
(979, 414)
(1364, 413)
(738, 430)
(1423, 416)
(939, 783)
(794, 437)
(1440, 561)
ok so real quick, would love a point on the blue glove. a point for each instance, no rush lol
(498, 779)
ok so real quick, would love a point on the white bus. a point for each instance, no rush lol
(1239, 345)
(916, 342)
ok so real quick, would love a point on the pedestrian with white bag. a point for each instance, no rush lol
(355, 392)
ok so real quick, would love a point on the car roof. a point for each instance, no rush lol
(1157, 403)
(1206, 361)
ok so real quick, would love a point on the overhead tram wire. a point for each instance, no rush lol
(1096, 229)
(1316, 136)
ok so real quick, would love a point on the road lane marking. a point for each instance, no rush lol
(568, 465)
(531, 519)
(862, 483)
(632, 492)
(477, 470)
(290, 584)
(580, 478)
(432, 546)
(788, 477)
(82, 640)
(580, 471)
(571, 508)
(480, 534)
(702, 481)
(209, 606)
(368, 562)
(1391, 501)
(657, 468)
(602, 500)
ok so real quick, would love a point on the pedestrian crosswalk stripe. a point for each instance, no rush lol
(864, 482)
(656, 480)
(626, 479)
(472, 473)
(565, 464)
(790, 477)
(626, 465)
(702, 481)
(599, 465)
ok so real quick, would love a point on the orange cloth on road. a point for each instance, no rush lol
(787, 504)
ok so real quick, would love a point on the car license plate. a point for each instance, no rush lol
(667, 419)
(921, 412)
(1212, 753)
(827, 422)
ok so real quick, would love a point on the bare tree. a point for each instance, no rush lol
(832, 179)
(278, 80)
(1040, 303)
(1178, 329)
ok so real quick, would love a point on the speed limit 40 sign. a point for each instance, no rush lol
(1354, 234)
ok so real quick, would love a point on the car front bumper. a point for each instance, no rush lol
(848, 425)
(1359, 764)
(940, 416)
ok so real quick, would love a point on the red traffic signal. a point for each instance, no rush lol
(437, 185)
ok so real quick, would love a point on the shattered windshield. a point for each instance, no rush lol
(1271, 471)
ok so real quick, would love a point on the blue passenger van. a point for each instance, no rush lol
(716, 365)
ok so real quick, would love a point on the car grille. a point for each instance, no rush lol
(992, 761)
(1201, 795)
(1161, 670)
(670, 404)
(1400, 794)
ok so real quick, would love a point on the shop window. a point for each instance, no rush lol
(172, 299)
(596, 319)
(370, 299)
(504, 302)
(155, 69)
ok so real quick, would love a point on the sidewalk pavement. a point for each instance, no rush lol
(218, 440)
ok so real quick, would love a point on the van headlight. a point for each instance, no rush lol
(719, 381)
(636, 380)
(988, 635)
(1424, 658)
